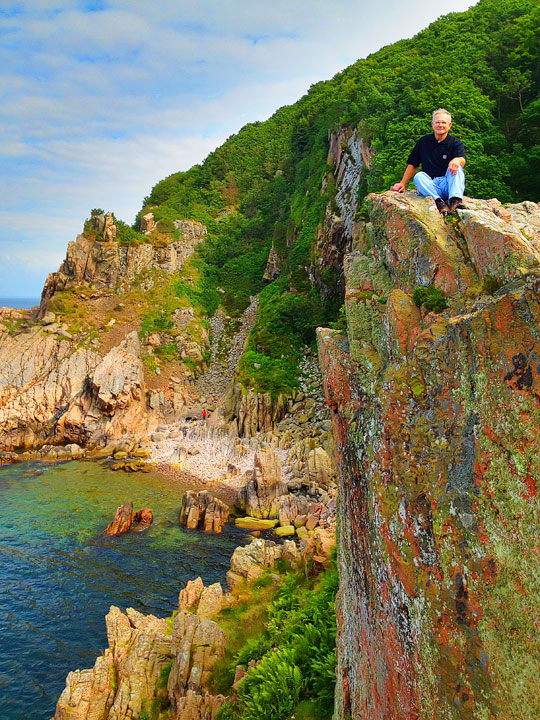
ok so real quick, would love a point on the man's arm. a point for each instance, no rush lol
(407, 175)
(456, 163)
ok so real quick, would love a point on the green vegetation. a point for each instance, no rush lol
(430, 298)
(262, 187)
(294, 655)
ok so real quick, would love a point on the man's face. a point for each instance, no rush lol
(441, 126)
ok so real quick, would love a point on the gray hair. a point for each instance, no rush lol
(441, 111)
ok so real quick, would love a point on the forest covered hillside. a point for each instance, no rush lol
(263, 188)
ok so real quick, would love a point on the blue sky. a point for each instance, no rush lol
(100, 100)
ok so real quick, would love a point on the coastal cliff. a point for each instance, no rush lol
(75, 372)
(436, 406)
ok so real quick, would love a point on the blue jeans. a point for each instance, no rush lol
(445, 187)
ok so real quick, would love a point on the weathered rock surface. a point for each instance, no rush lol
(435, 418)
(249, 562)
(205, 602)
(201, 507)
(49, 390)
(197, 646)
(123, 680)
(259, 496)
(247, 413)
(122, 520)
(106, 264)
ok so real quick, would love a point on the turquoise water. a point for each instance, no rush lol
(59, 574)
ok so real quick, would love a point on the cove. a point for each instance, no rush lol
(59, 574)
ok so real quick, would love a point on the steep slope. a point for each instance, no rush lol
(260, 193)
(436, 417)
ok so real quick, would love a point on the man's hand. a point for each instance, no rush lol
(398, 187)
(455, 164)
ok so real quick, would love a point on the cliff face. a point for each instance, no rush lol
(106, 264)
(436, 418)
(73, 372)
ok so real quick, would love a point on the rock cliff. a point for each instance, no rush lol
(96, 259)
(75, 372)
(435, 416)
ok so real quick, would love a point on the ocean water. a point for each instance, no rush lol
(59, 574)
(19, 303)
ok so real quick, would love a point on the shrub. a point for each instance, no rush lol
(431, 298)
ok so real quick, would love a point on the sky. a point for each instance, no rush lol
(101, 99)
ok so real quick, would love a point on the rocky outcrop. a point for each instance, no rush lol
(122, 521)
(201, 507)
(434, 418)
(205, 602)
(112, 401)
(259, 496)
(348, 155)
(53, 393)
(197, 646)
(101, 262)
(249, 562)
(142, 650)
(247, 413)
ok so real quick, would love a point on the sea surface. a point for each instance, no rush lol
(19, 303)
(59, 574)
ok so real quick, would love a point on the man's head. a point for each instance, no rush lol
(441, 123)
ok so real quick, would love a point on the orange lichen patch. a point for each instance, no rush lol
(530, 484)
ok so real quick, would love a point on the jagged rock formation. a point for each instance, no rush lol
(435, 418)
(201, 507)
(141, 649)
(260, 494)
(247, 413)
(249, 562)
(348, 154)
(205, 602)
(122, 521)
(65, 388)
(125, 520)
(51, 391)
(101, 262)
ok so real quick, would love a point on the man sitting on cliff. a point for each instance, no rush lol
(442, 157)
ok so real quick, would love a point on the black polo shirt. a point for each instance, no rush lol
(434, 156)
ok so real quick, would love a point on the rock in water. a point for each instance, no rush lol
(122, 521)
(142, 520)
(203, 508)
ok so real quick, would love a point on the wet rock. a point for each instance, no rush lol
(142, 520)
(203, 508)
(122, 521)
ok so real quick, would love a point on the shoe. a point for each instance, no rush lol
(456, 203)
(442, 207)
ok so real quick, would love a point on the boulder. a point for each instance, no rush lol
(189, 597)
(122, 521)
(203, 508)
(142, 520)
